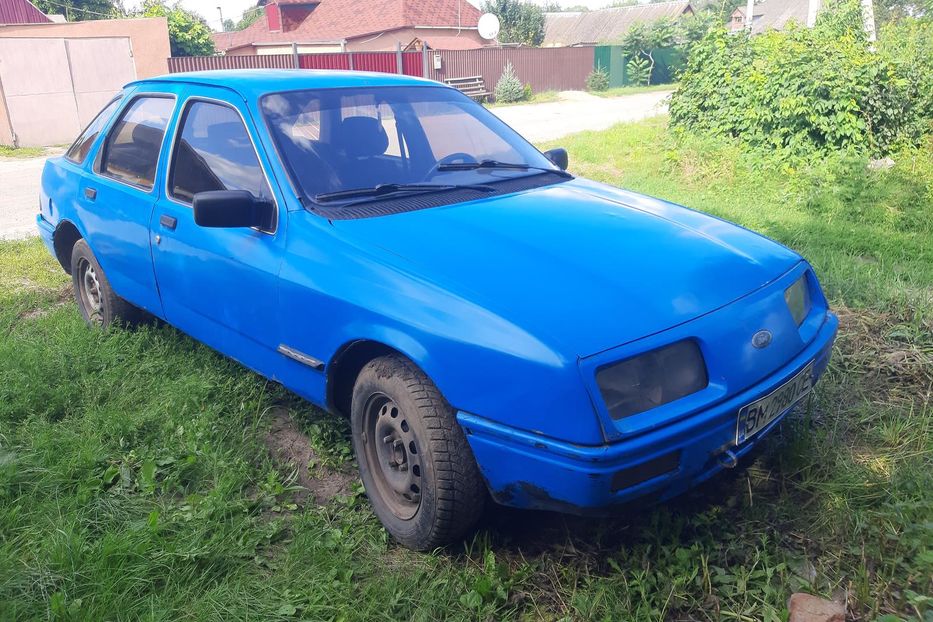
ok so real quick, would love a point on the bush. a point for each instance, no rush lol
(909, 45)
(598, 80)
(799, 91)
(509, 88)
(639, 71)
(527, 93)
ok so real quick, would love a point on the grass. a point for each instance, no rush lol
(137, 481)
(619, 91)
(543, 97)
(21, 152)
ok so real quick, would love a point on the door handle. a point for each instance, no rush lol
(90, 193)
(169, 222)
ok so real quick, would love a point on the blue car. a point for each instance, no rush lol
(390, 250)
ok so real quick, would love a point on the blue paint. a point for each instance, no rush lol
(510, 303)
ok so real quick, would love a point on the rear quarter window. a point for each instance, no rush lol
(78, 151)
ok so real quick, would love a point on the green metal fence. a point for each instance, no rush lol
(667, 62)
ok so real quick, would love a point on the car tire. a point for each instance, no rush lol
(414, 459)
(97, 302)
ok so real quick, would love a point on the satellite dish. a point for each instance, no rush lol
(488, 26)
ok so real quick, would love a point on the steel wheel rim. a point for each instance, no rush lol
(89, 290)
(393, 455)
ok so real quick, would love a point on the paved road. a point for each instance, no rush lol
(19, 196)
(575, 112)
(578, 112)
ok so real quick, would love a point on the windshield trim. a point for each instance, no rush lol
(326, 211)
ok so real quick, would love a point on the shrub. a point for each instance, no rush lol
(798, 91)
(909, 45)
(509, 88)
(598, 80)
(639, 70)
(527, 93)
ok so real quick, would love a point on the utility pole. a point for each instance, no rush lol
(868, 19)
(223, 27)
(749, 15)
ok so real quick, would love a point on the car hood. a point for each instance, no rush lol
(581, 265)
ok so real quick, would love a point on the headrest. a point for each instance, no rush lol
(143, 133)
(362, 137)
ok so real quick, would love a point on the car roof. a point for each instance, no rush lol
(256, 82)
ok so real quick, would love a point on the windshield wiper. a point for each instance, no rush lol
(382, 190)
(493, 164)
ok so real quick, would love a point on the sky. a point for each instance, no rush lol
(233, 9)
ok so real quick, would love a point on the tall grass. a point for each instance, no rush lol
(136, 484)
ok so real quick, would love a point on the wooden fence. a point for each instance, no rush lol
(560, 69)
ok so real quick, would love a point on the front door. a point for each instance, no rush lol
(218, 285)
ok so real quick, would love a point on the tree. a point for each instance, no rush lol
(188, 33)
(228, 24)
(643, 39)
(249, 17)
(521, 22)
(81, 10)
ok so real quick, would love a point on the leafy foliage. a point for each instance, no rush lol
(598, 80)
(81, 10)
(639, 70)
(189, 34)
(640, 43)
(509, 88)
(909, 45)
(803, 90)
(521, 22)
(250, 17)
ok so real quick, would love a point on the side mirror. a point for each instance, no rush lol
(232, 208)
(559, 157)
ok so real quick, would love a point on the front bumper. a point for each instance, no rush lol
(526, 470)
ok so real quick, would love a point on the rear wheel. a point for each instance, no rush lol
(416, 465)
(97, 302)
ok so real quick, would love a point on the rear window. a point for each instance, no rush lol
(78, 151)
(131, 152)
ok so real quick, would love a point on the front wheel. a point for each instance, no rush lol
(415, 463)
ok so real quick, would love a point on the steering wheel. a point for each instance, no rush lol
(458, 157)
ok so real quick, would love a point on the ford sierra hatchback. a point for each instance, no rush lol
(493, 326)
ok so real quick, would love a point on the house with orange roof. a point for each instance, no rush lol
(317, 26)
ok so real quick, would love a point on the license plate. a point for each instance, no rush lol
(755, 416)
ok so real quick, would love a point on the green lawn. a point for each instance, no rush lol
(543, 97)
(634, 90)
(137, 480)
(21, 152)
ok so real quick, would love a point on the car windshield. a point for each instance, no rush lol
(393, 140)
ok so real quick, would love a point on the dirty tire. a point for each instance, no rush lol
(97, 302)
(421, 447)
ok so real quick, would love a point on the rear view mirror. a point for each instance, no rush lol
(232, 208)
(559, 157)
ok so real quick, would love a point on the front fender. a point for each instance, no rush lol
(334, 293)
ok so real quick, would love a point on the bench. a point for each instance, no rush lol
(473, 87)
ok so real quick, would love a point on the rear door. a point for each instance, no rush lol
(219, 285)
(117, 199)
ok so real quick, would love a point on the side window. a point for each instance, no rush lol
(214, 152)
(131, 152)
(77, 152)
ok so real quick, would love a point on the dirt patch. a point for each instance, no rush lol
(289, 445)
(63, 296)
(889, 356)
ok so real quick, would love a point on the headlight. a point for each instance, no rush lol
(797, 297)
(652, 379)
